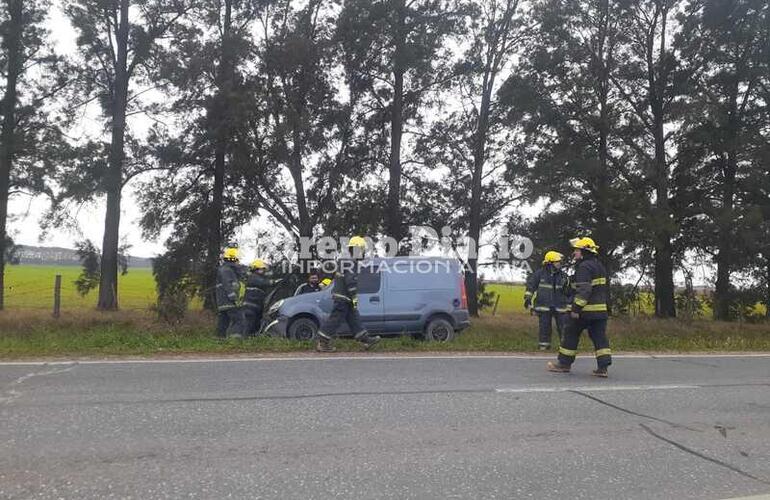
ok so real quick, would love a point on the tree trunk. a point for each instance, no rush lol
(214, 227)
(665, 303)
(767, 285)
(12, 44)
(725, 219)
(305, 224)
(724, 258)
(113, 180)
(393, 219)
(479, 158)
(221, 120)
(603, 230)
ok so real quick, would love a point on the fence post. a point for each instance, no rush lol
(497, 301)
(57, 296)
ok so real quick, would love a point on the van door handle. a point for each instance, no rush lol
(374, 299)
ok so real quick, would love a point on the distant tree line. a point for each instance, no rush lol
(643, 123)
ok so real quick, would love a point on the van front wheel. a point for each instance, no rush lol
(303, 329)
(439, 330)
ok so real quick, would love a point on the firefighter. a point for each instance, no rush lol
(345, 300)
(588, 312)
(312, 285)
(257, 287)
(229, 315)
(548, 285)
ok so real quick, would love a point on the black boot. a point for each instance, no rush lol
(367, 340)
(325, 343)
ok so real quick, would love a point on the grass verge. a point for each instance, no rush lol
(137, 333)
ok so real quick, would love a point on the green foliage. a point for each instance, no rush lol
(623, 299)
(173, 286)
(742, 305)
(486, 298)
(90, 262)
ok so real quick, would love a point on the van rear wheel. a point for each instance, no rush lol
(303, 329)
(439, 330)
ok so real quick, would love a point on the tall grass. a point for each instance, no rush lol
(91, 333)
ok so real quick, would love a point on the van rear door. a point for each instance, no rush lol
(416, 288)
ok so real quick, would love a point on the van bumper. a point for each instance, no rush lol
(277, 326)
(462, 320)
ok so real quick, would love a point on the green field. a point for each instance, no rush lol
(31, 287)
(511, 297)
(28, 329)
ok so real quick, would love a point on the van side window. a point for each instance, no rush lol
(369, 280)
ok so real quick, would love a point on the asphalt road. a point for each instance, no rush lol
(383, 427)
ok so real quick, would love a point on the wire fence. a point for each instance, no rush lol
(41, 293)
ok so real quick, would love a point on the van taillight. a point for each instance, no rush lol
(463, 294)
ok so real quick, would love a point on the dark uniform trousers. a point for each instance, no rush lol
(252, 319)
(343, 311)
(597, 330)
(546, 319)
(230, 321)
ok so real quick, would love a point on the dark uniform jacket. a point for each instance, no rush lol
(257, 286)
(228, 287)
(307, 288)
(590, 284)
(345, 287)
(550, 287)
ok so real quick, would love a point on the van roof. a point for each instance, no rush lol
(407, 258)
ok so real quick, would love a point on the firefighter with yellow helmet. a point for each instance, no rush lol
(257, 287)
(588, 310)
(230, 319)
(345, 298)
(548, 285)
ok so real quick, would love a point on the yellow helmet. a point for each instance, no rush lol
(552, 257)
(357, 241)
(326, 282)
(231, 254)
(258, 264)
(584, 243)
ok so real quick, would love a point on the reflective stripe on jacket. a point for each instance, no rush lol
(591, 287)
(256, 289)
(228, 287)
(549, 286)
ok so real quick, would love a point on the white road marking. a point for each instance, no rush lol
(404, 357)
(12, 394)
(594, 388)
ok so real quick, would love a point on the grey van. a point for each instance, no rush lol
(421, 296)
